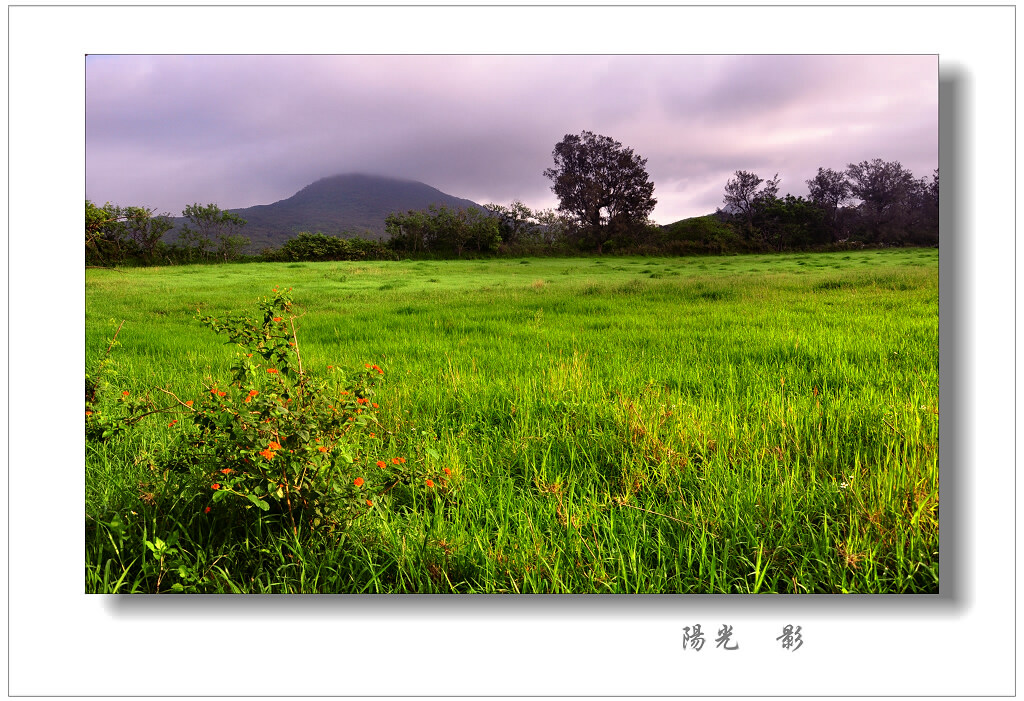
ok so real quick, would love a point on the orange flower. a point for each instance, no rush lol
(396, 461)
(322, 449)
(368, 366)
(216, 486)
(274, 445)
(247, 400)
(267, 454)
(125, 393)
(226, 471)
(88, 413)
(221, 394)
(189, 403)
(213, 390)
(277, 318)
(369, 503)
(172, 423)
(376, 407)
(401, 460)
(206, 510)
(362, 400)
(448, 472)
(253, 393)
(272, 371)
(430, 483)
(380, 464)
(359, 481)
(373, 435)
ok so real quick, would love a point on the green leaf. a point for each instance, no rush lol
(258, 502)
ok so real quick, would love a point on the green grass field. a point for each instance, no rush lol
(674, 425)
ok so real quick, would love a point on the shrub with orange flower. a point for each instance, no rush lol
(242, 431)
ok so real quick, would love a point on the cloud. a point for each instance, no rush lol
(165, 131)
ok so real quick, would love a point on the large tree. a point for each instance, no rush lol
(114, 233)
(602, 187)
(211, 226)
(744, 197)
(888, 193)
(829, 190)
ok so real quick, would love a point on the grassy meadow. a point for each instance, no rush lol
(733, 424)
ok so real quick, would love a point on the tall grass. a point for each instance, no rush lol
(715, 424)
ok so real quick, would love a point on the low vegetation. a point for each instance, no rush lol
(724, 424)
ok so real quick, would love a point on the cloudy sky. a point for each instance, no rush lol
(166, 131)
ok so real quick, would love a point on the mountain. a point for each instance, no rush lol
(351, 205)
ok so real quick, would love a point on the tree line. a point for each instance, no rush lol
(115, 235)
(605, 200)
(871, 202)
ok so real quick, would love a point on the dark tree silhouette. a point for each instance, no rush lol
(745, 198)
(602, 187)
(888, 192)
(829, 190)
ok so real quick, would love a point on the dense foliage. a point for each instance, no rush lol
(870, 203)
(602, 187)
(605, 200)
(114, 234)
(318, 246)
(443, 230)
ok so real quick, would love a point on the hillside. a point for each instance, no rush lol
(351, 204)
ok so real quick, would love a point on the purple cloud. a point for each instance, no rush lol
(165, 131)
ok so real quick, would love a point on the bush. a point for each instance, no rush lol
(277, 437)
(320, 247)
(271, 462)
